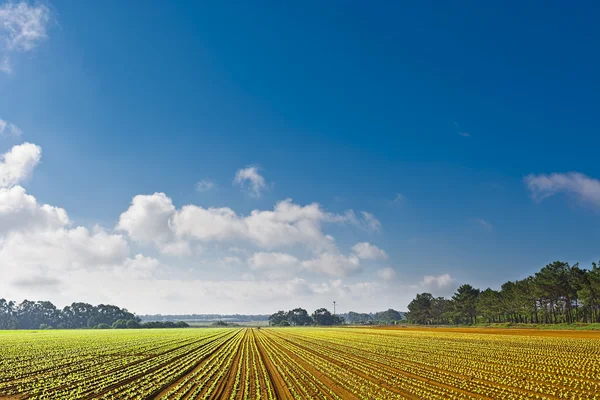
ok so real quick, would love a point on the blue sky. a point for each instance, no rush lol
(468, 130)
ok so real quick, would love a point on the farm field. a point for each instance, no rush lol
(299, 363)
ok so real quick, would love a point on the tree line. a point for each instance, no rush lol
(300, 317)
(45, 315)
(558, 293)
(389, 316)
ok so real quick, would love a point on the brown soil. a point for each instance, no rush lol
(279, 385)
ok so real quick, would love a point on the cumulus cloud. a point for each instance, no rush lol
(333, 264)
(440, 285)
(45, 255)
(344, 290)
(205, 185)
(147, 220)
(140, 267)
(22, 28)
(270, 261)
(8, 128)
(20, 211)
(176, 248)
(581, 187)
(251, 179)
(367, 251)
(386, 274)
(288, 224)
(370, 223)
(18, 163)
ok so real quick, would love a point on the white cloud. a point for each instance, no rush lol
(386, 274)
(153, 219)
(274, 265)
(205, 185)
(438, 285)
(45, 255)
(22, 28)
(464, 134)
(177, 248)
(343, 290)
(251, 178)
(140, 267)
(269, 261)
(231, 260)
(51, 253)
(367, 251)
(370, 223)
(581, 187)
(8, 128)
(18, 163)
(20, 211)
(147, 220)
(287, 225)
(333, 264)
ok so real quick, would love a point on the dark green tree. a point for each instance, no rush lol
(465, 303)
(419, 310)
(322, 316)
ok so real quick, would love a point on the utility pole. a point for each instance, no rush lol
(334, 308)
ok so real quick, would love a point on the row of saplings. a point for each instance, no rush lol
(300, 317)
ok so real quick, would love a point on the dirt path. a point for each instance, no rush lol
(279, 384)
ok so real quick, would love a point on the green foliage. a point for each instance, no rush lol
(299, 317)
(133, 324)
(278, 318)
(119, 324)
(388, 316)
(322, 316)
(419, 310)
(359, 318)
(558, 294)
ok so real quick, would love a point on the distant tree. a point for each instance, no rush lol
(465, 303)
(359, 318)
(441, 311)
(338, 320)
(488, 305)
(299, 317)
(419, 310)
(133, 324)
(322, 316)
(388, 316)
(277, 318)
(8, 319)
(119, 324)
(102, 326)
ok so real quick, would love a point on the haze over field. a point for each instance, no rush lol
(210, 158)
